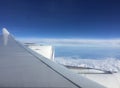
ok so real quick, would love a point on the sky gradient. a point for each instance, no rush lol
(94, 19)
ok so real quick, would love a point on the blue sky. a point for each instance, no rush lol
(86, 19)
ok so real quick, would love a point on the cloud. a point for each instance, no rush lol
(75, 42)
(107, 64)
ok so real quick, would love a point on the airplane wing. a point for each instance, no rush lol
(21, 67)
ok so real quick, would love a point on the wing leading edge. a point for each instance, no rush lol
(21, 67)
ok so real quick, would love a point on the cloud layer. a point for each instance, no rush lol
(108, 64)
(74, 42)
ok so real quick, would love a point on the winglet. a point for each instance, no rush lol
(5, 35)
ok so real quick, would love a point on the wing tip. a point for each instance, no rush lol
(5, 31)
(5, 34)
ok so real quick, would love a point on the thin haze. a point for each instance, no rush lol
(61, 18)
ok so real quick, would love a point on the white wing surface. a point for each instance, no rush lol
(20, 68)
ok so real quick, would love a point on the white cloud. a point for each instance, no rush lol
(108, 64)
(75, 42)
